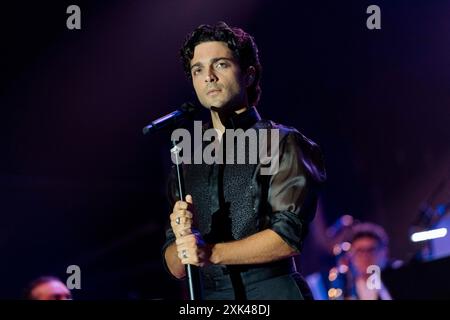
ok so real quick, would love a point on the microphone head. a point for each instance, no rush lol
(186, 111)
(190, 108)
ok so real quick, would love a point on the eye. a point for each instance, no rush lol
(196, 71)
(221, 65)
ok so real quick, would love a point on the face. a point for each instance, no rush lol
(366, 251)
(217, 77)
(52, 290)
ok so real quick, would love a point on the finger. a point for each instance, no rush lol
(188, 256)
(179, 205)
(177, 218)
(184, 232)
(190, 260)
(188, 239)
(183, 255)
(181, 241)
(181, 213)
(184, 223)
(181, 220)
(189, 199)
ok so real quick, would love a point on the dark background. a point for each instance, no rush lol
(80, 184)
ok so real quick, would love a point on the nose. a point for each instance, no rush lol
(211, 77)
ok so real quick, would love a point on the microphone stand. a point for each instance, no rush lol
(192, 272)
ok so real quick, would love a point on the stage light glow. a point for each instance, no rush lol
(429, 235)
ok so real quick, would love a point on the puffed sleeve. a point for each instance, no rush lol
(293, 190)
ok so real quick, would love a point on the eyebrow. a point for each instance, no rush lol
(212, 61)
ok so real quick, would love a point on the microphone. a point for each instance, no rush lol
(186, 110)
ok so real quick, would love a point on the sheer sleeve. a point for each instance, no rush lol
(293, 190)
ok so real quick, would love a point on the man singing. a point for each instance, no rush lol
(240, 226)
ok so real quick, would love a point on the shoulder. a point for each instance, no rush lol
(292, 141)
(289, 135)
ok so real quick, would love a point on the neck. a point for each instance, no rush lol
(217, 122)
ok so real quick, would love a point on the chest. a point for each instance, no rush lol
(225, 197)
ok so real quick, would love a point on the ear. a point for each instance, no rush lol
(250, 76)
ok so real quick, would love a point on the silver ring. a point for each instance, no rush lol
(184, 254)
(178, 220)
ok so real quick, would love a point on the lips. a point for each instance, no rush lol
(213, 91)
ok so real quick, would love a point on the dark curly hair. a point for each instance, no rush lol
(240, 43)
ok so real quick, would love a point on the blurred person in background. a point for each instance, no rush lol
(360, 256)
(47, 288)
